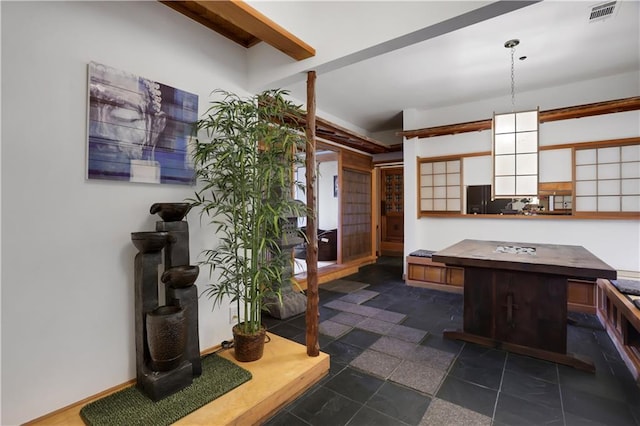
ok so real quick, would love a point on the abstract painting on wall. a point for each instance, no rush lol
(138, 129)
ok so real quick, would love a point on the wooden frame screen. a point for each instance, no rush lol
(607, 179)
(439, 185)
(357, 214)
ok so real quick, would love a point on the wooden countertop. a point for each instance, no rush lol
(570, 261)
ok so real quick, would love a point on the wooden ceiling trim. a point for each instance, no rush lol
(579, 111)
(347, 137)
(598, 108)
(243, 24)
(449, 129)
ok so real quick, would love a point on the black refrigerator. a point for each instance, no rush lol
(479, 201)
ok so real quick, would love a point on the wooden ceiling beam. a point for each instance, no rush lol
(355, 140)
(579, 111)
(243, 24)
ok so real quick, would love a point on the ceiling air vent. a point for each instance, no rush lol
(602, 11)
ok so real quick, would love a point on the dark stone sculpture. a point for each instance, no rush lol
(166, 336)
(167, 342)
(291, 302)
(170, 212)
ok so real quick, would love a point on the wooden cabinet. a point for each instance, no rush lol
(423, 272)
(516, 307)
(581, 296)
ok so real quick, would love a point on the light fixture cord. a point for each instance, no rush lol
(513, 80)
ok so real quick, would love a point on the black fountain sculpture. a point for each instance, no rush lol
(167, 342)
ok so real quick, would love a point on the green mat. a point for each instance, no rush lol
(131, 407)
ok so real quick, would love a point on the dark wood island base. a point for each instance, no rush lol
(515, 295)
(572, 360)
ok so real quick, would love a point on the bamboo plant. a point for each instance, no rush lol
(244, 158)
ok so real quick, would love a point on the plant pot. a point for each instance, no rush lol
(248, 347)
(166, 337)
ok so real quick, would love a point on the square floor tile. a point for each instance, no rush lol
(341, 352)
(438, 342)
(481, 356)
(430, 357)
(302, 338)
(299, 321)
(389, 316)
(601, 383)
(354, 384)
(537, 368)
(322, 340)
(531, 389)
(285, 418)
(339, 305)
(333, 329)
(348, 318)
(392, 346)
(381, 301)
(326, 313)
(468, 370)
(511, 410)
(359, 296)
(360, 338)
(285, 330)
(442, 412)
(409, 305)
(468, 395)
(400, 402)
(377, 363)
(375, 325)
(370, 417)
(595, 407)
(325, 407)
(573, 420)
(418, 376)
(353, 308)
(409, 334)
(367, 311)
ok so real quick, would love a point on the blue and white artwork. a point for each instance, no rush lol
(138, 129)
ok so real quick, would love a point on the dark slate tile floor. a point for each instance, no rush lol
(391, 366)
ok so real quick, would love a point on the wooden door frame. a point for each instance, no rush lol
(378, 197)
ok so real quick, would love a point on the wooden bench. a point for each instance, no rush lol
(621, 319)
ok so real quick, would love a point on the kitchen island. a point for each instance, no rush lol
(515, 295)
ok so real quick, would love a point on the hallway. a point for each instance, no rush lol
(391, 366)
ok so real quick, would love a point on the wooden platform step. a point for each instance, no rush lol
(281, 375)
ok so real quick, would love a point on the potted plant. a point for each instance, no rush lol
(244, 157)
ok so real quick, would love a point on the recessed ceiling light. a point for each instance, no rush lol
(511, 43)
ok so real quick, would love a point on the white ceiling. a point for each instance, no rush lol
(472, 64)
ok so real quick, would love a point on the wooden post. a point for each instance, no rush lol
(313, 314)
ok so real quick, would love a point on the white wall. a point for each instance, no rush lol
(617, 242)
(67, 276)
(583, 92)
(328, 206)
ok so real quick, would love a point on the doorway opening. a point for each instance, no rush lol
(328, 205)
